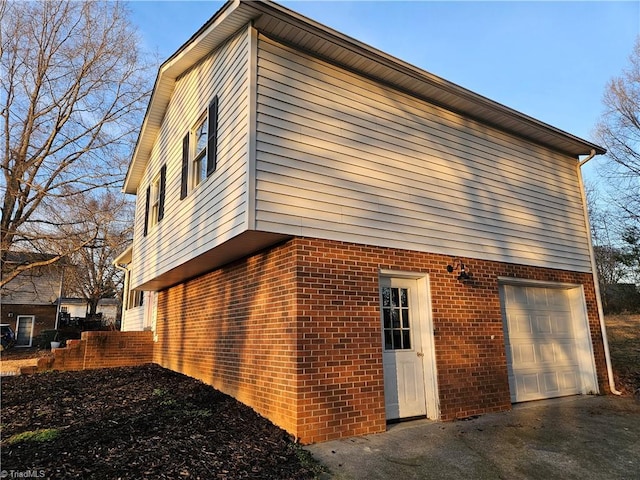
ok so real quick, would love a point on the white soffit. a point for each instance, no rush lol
(294, 29)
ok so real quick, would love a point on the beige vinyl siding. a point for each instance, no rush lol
(215, 210)
(345, 158)
(133, 320)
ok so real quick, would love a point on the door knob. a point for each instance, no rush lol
(420, 354)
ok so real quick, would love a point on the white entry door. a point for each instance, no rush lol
(24, 330)
(403, 355)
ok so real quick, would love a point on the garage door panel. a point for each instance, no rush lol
(541, 353)
(523, 354)
(547, 353)
(528, 385)
(562, 324)
(540, 338)
(566, 354)
(556, 298)
(536, 385)
(551, 383)
(520, 324)
(537, 297)
(542, 324)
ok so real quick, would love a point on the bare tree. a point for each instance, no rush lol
(604, 232)
(91, 274)
(73, 88)
(619, 131)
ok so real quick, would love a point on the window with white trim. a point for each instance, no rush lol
(199, 150)
(136, 299)
(155, 201)
(154, 208)
(200, 138)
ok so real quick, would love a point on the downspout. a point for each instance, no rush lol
(125, 292)
(60, 291)
(596, 280)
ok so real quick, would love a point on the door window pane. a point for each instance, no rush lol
(394, 297)
(388, 341)
(386, 313)
(395, 318)
(405, 318)
(406, 339)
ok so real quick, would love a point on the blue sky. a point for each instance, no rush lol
(550, 60)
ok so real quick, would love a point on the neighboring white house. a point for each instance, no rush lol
(338, 238)
(78, 308)
(73, 307)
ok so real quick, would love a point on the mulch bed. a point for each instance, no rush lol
(140, 423)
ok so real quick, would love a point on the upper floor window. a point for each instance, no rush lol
(154, 209)
(199, 150)
(200, 140)
(155, 201)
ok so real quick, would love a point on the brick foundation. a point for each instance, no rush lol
(295, 333)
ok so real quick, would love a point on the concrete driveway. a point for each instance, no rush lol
(580, 437)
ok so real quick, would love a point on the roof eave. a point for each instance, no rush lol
(529, 127)
(210, 34)
(435, 89)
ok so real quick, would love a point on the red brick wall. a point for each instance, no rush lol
(45, 317)
(235, 329)
(294, 332)
(102, 350)
(340, 340)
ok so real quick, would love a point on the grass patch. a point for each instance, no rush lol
(165, 397)
(36, 436)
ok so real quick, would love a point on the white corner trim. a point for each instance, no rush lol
(252, 72)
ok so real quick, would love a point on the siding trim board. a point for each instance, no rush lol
(252, 79)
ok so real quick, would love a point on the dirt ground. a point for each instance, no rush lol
(139, 423)
(11, 360)
(623, 332)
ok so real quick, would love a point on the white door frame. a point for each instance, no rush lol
(32, 318)
(584, 342)
(426, 336)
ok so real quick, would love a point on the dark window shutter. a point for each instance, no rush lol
(184, 180)
(212, 143)
(163, 182)
(146, 211)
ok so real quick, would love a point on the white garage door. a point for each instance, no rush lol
(544, 340)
